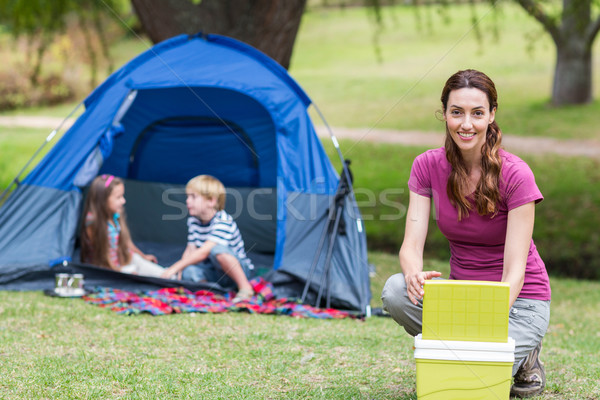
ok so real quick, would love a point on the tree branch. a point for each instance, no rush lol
(593, 30)
(87, 36)
(535, 10)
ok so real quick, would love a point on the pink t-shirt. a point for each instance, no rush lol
(477, 242)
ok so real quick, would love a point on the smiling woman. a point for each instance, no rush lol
(484, 200)
(467, 118)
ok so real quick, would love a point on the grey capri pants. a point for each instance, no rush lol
(527, 320)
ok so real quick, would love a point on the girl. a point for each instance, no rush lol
(484, 199)
(105, 239)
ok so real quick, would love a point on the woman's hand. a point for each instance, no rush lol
(415, 282)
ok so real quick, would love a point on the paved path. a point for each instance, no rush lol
(33, 122)
(517, 144)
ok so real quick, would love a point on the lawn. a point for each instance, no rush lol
(335, 61)
(53, 348)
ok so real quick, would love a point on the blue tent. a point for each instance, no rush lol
(194, 105)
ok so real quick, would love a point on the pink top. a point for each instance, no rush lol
(477, 242)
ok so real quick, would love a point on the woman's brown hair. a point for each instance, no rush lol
(94, 231)
(487, 192)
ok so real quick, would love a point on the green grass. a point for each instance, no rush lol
(54, 348)
(17, 146)
(335, 61)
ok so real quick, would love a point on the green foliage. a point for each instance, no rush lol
(41, 22)
(29, 17)
(566, 231)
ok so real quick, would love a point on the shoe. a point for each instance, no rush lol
(530, 379)
(242, 295)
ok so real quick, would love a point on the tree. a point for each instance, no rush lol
(269, 25)
(573, 32)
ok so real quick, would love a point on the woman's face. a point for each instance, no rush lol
(467, 116)
(116, 199)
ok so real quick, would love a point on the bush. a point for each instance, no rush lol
(566, 231)
(16, 91)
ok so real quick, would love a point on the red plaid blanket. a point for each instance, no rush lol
(180, 300)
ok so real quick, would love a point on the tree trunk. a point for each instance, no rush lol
(573, 36)
(573, 73)
(269, 25)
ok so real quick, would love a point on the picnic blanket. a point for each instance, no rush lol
(181, 300)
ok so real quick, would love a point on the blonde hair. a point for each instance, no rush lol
(209, 187)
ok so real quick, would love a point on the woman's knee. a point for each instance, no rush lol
(527, 324)
(396, 303)
(394, 289)
(393, 295)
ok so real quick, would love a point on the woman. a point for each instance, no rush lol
(484, 199)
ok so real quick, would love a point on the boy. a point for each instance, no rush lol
(215, 250)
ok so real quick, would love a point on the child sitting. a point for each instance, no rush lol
(215, 250)
(105, 239)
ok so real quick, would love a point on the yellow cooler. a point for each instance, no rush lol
(463, 370)
(464, 352)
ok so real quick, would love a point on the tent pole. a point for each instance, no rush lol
(48, 139)
(345, 169)
(332, 227)
(325, 280)
(335, 144)
(311, 272)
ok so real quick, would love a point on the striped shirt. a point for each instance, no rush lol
(221, 230)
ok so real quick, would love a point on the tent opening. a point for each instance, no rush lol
(191, 144)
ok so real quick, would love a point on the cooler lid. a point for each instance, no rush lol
(454, 350)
